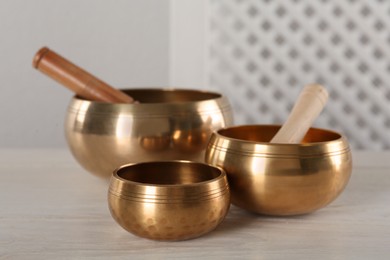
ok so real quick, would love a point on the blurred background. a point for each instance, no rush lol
(263, 52)
(258, 53)
(125, 43)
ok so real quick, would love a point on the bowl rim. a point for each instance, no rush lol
(242, 147)
(217, 133)
(162, 89)
(221, 175)
(219, 103)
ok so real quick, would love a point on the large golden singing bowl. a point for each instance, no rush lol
(170, 200)
(165, 125)
(281, 179)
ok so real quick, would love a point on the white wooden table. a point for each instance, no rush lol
(50, 208)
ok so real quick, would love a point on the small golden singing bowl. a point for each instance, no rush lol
(169, 200)
(166, 125)
(281, 179)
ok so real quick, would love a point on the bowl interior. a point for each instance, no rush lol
(264, 133)
(169, 95)
(168, 173)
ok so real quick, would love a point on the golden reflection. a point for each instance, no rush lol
(281, 179)
(103, 136)
(195, 138)
(337, 162)
(82, 111)
(124, 126)
(258, 174)
(169, 212)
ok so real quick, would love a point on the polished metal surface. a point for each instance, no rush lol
(165, 125)
(281, 179)
(171, 200)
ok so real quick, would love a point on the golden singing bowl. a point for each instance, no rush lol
(169, 200)
(281, 179)
(165, 125)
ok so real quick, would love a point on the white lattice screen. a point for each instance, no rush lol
(264, 52)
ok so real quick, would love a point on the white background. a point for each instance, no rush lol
(125, 43)
(158, 43)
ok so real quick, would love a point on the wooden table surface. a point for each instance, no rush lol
(50, 208)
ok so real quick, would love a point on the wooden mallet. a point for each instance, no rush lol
(76, 79)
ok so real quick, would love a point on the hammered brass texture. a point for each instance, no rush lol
(170, 200)
(167, 124)
(281, 179)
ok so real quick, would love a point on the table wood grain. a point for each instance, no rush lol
(50, 208)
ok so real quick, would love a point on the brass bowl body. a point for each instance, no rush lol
(170, 200)
(281, 179)
(165, 125)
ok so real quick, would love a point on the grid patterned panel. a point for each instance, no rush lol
(263, 52)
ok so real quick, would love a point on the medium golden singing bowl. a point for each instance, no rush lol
(165, 125)
(281, 179)
(169, 200)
